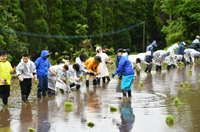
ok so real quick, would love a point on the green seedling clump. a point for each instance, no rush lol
(199, 75)
(56, 73)
(151, 63)
(99, 73)
(141, 83)
(113, 109)
(66, 78)
(81, 78)
(31, 129)
(177, 101)
(113, 62)
(190, 71)
(68, 104)
(170, 119)
(90, 124)
(186, 84)
(69, 82)
(181, 84)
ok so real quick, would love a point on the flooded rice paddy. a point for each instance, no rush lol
(146, 111)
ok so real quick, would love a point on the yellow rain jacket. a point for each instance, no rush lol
(91, 63)
(5, 69)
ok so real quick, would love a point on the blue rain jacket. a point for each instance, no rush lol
(42, 64)
(180, 50)
(151, 47)
(124, 67)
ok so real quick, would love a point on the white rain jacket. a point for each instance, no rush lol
(170, 59)
(26, 70)
(162, 55)
(102, 66)
(191, 53)
(82, 68)
(52, 78)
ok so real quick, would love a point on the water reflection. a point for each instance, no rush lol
(26, 117)
(127, 117)
(5, 120)
(43, 123)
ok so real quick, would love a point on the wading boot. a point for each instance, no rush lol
(38, 94)
(94, 81)
(78, 87)
(124, 92)
(43, 93)
(98, 80)
(168, 67)
(149, 70)
(138, 72)
(87, 83)
(104, 79)
(72, 85)
(108, 79)
(146, 69)
(24, 98)
(129, 93)
(157, 67)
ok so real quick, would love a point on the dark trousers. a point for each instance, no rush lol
(43, 83)
(4, 93)
(26, 87)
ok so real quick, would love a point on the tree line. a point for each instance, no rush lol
(166, 21)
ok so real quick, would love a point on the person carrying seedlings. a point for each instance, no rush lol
(191, 54)
(75, 81)
(5, 77)
(51, 78)
(42, 67)
(151, 48)
(142, 57)
(160, 59)
(181, 49)
(104, 49)
(92, 65)
(102, 66)
(25, 71)
(135, 62)
(125, 68)
(149, 61)
(171, 58)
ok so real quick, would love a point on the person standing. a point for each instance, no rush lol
(25, 72)
(42, 67)
(5, 77)
(102, 66)
(181, 49)
(125, 68)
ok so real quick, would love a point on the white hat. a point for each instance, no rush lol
(148, 53)
(197, 37)
(97, 48)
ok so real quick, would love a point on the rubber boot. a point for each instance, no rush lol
(184, 63)
(138, 72)
(49, 91)
(104, 79)
(78, 87)
(146, 69)
(129, 93)
(53, 92)
(160, 67)
(124, 92)
(157, 67)
(173, 65)
(108, 78)
(43, 93)
(5, 101)
(94, 81)
(168, 67)
(149, 70)
(72, 85)
(24, 98)
(87, 83)
(98, 80)
(38, 94)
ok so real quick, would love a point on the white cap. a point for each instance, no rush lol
(148, 53)
(197, 37)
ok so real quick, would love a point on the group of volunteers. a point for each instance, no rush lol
(65, 76)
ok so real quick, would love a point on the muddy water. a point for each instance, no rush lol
(145, 111)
